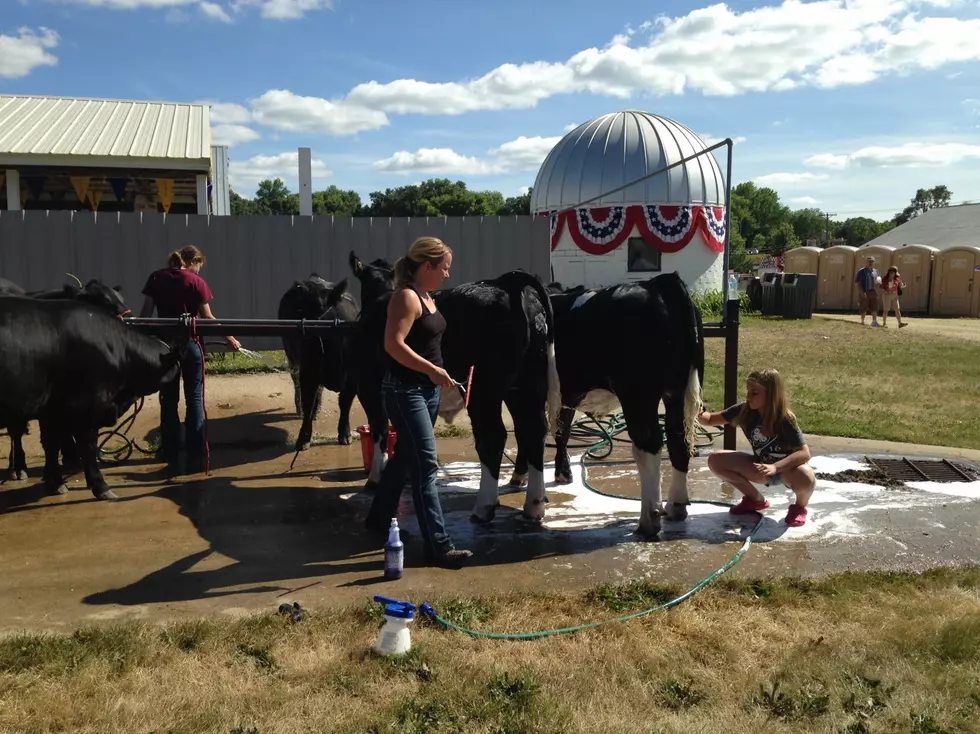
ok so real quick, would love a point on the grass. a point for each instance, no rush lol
(762, 655)
(847, 381)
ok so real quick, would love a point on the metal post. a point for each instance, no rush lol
(731, 366)
(728, 221)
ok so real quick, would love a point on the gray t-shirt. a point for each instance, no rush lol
(767, 449)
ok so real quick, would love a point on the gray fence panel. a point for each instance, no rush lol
(251, 261)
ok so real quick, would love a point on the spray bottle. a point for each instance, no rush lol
(395, 637)
(394, 552)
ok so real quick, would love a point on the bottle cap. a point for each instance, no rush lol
(395, 608)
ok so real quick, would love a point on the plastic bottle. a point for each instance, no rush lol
(732, 286)
(395, 637)
(394, 552)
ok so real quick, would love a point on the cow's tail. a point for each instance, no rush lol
(690, 374)
(522, 280)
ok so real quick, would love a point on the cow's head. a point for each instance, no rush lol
(377, 278)
(102, 296)
(314, 296)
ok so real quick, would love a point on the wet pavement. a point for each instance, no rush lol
(254, 534)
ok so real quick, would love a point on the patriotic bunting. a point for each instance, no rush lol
(669, 229)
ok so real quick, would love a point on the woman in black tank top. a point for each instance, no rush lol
(412, 389)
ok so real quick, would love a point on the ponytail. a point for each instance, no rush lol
(175, 260)
(404, 271)
(425, 249)
(185, 256)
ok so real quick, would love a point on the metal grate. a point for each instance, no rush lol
(922, 470)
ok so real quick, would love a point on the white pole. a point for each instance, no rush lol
(13, 190)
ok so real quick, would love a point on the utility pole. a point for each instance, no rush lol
(826, 233)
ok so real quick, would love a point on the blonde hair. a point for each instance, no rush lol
(423, 250)
(776, 408)
(185, 256)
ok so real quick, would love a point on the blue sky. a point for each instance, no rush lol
(847, 106)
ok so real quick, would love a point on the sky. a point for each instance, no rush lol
(848, 106)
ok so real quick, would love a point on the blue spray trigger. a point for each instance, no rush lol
(396, 608)
(426, 608)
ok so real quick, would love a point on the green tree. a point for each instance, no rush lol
(923, 201)
(517, 204)
(809, 224)
(273, 197)
(856, 231)
(337, 202)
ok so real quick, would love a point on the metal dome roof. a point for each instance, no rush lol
(615, 149)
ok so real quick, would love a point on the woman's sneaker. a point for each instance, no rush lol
(453, 559)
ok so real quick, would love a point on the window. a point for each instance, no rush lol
(641, 258)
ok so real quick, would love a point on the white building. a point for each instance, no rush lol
(674, 221)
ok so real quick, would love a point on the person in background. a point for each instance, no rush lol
(867, 280)
(779, 449)
(412, 388)
(173, 291)
(891, 284)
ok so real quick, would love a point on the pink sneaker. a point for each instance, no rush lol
(747, 505)
(796, 516)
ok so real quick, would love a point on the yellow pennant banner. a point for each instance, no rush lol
(165, 189)
(80, 184)
(94, 199)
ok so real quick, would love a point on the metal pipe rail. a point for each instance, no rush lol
(238, 327)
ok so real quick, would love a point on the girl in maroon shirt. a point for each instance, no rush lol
(174, 291)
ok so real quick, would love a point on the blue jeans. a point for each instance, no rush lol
(192, 372)
(413, 410)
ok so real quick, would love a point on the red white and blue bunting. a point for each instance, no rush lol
(600, 230)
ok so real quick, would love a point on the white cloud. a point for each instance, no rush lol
(789, 179)
(245, 175)
(215, 11)
(571, 126)
(972, 106)
(906, 155)
(283, 9)
(232, 135)
(803, 200)
(134, 4)
(283, 110)
(710, 140)
(517, 155)
(827, 43)
(228, 113)
(28, 50)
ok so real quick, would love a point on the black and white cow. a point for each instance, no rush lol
(318, 360)
(93, 293)
(632, 345)
(502, 327)
(75, 368)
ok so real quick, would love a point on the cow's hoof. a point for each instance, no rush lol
(16, 476)
(648, 533)
(676, 511)
(344, 440)
(107, 495)
(60, 489)
(534, 510)
(517, 481)
(476, 519)
(302, 445)
(563, 478)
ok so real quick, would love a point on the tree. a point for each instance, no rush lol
(517, 204)
(273, 197)
(923, 201)
(858, 230)
(809, 224)
(336, 202)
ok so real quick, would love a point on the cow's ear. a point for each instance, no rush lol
(117, 288)
(337, 293)
(355, 263)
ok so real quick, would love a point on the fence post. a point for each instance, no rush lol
(731, 365)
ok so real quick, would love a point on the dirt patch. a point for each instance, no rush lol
(869, 476)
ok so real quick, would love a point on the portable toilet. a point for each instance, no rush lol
(883, 255)
(915, 264)
(835, 282)
(955, 291)
(802, 260)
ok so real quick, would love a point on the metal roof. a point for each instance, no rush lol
(616, 149)
(167, 132)
(942, 228)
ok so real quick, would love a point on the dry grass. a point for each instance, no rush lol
(761, 656)
(845, 380)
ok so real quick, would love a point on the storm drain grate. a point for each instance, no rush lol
(922, 470)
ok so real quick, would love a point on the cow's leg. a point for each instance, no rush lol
(87, 440)
(563, 465)
(71, 460)
(370, 396)
(52, 438)
(680, 459)
(491, 437)
(346, 400)
(309, 395)
(17, 465)
(640, 412)
(531, 430)
(518, 480)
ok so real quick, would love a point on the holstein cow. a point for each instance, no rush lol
(502, 327)
(632, 345)
(76, 369)
(94, 293)
(318, 361)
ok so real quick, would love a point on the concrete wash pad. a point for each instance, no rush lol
(852, 518)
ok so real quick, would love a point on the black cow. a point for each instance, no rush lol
(318, 361)
(93, 293)
(632, 345)
(74, 368)
(502, 327)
